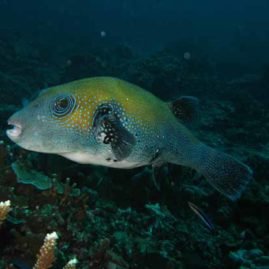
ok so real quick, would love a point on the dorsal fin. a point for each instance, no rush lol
(185, 108)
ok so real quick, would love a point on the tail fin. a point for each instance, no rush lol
(226, 174)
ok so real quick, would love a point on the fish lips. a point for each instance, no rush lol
(15, 131)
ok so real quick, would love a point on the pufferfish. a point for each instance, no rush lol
(110, 122)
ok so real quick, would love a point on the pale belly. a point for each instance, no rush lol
(87, 158)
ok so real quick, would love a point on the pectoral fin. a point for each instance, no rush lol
(109, 130)
(185, 108)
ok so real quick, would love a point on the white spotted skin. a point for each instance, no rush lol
(143, 115)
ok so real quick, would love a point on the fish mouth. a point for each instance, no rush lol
(15, 130)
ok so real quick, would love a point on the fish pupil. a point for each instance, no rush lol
(62, 103)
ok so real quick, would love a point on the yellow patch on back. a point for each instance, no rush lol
(138, 104)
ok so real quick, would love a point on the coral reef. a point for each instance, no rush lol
(130, 218)
(252, 258)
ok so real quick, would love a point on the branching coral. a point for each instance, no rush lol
(46, 255)
(71, 264)
(5, 207)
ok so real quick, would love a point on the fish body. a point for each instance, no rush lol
(110, 122)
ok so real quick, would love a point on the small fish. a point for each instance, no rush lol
(208, 223)
(110, 122)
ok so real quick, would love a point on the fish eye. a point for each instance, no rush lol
(63, 105)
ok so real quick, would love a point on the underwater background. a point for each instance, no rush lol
(116, 219)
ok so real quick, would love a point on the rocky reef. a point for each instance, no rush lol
(130, 219)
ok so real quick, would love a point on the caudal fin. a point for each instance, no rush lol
(226, 174)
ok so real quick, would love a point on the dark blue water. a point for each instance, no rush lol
(225, 29)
